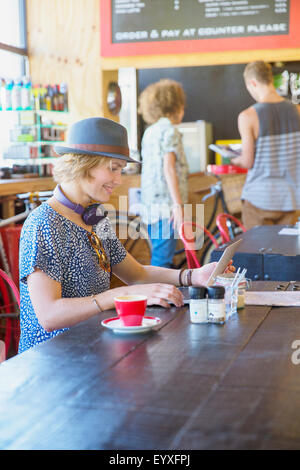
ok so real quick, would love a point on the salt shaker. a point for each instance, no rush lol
(216, 311)
(198, 304)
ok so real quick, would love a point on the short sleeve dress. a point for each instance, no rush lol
(61, 249)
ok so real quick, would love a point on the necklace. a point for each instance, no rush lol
(98, 247)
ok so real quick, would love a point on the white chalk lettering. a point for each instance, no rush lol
(170, 33)
(154, 34)
(267, 28)
(188, 32)
(131, 35)
(218, 31)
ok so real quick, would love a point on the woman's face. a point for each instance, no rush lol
(102, 180)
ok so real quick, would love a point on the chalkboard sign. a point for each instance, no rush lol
(169, 20)
(175, 26)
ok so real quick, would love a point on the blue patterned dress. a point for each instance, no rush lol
(62, 250)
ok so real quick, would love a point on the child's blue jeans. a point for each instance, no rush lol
(163, 241)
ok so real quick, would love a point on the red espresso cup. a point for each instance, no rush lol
(131, 309)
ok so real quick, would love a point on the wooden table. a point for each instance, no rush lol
(266, 254)
(186, 386)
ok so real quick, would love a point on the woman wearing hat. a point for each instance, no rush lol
(68, 249)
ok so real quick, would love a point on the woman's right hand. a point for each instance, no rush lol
(158, 294)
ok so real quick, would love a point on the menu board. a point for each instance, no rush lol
(174, 26)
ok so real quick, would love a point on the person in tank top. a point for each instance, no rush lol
(270, 133)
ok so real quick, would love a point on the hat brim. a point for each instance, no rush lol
(60, 150)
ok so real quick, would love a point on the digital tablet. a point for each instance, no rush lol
(223, 261)
(225, 150)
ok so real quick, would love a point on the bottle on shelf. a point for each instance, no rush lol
(43, 94)
(37, 97)
(26, 94)
(55, 100)
(64, 92)
(61, 104)
(6, 89)
(48, 98)
(16, 102)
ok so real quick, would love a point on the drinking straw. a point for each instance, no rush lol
(236, 274)
(238, 279)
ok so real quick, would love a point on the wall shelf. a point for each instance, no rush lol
(30, 135)
(30, 161)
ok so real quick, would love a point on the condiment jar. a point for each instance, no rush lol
(198, 304)
(231, 293)
(216, 311)
(242, 287)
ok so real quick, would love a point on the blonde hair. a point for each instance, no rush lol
(161, 99)
(70, 167)
(259, 70)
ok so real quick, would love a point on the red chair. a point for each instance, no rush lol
(222, 226)
(189, 242)
(2, 351)
(9, 315)
(11, 238)
(12, 285)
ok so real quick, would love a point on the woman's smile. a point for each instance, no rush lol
(108, 188)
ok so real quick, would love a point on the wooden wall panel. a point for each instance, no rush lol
(200, 59)
(64, 45)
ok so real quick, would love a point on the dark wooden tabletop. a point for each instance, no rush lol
(184, 386)
(265, 239)
(266, 254)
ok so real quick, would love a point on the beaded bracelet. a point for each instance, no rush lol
(189, 277)
(180, 280)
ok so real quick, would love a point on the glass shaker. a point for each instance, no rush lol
(216, 312)
(242, 287)
(231, 294)
(198, 304)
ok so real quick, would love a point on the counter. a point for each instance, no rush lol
(199, 185)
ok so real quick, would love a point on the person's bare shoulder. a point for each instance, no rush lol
(248, 113)
(248, 121)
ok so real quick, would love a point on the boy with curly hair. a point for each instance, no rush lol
(164, 187)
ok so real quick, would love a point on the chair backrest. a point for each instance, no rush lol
(2, 351)
(222, 226)
(11, 284)
(11, 238)
(188, 238)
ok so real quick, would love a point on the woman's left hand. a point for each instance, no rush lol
(201, 275)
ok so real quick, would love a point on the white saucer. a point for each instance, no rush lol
(115, 324)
